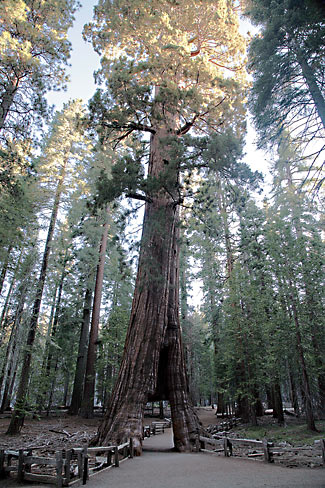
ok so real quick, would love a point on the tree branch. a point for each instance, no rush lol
(137, 196)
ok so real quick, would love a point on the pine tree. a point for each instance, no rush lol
(63, 135)
(34, 49)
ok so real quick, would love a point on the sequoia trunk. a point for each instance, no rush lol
(153, 365)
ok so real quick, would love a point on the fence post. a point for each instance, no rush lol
(266, 450)
(116, 458)
(109, 458)
(59, 465)
(85, 474)
(197, 444)
(80, 463)
(20, 472)
(322, 445)
(2, 460)
(229, 446)
(28, 467)
(131, 448)
(225, 446)
(68, 457)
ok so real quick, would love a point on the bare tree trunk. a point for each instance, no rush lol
(153, 338)
(87, 405)
(82, 357)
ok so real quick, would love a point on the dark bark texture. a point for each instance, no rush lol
(153, 366)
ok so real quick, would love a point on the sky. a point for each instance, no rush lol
(83, 61)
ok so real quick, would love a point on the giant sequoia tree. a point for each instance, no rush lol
(167, 68)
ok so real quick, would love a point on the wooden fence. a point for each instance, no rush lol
(69, 467)
(264, 449)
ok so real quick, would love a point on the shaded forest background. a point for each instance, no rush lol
(70, 227)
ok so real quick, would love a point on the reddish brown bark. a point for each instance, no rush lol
(78, 383)
(87, 406)
(153, 366)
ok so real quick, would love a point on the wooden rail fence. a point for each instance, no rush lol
(69, 467)
(263, 448)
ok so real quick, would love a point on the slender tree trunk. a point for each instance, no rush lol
(87, 405)
(153, 366)
(82, 357)
(5, 310)
(293, 391)
(66, 387)
(5, 268)
(7, 101)
(277, 402)
(306, 383)
(51, 352)
(17, 419)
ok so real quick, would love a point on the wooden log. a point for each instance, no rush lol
(20, 471)
(247, 442)
(39, 460)
(41, 478)
(103, 448)
(59, 466)
(211, 440)
(122, 446)
(116, 457)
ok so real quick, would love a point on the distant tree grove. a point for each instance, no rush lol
(220, 299)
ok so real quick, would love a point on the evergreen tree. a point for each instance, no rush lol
(167, 75)
(63, 135)
(34, 49)
(287, 62)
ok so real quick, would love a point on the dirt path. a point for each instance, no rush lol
(159, 467)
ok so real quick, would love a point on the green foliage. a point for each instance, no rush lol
(287, 63)
(34, 49)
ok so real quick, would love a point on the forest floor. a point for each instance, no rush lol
(65, 432)
(159, 467)
(294, 431)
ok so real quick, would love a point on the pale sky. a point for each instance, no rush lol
(84, 61)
